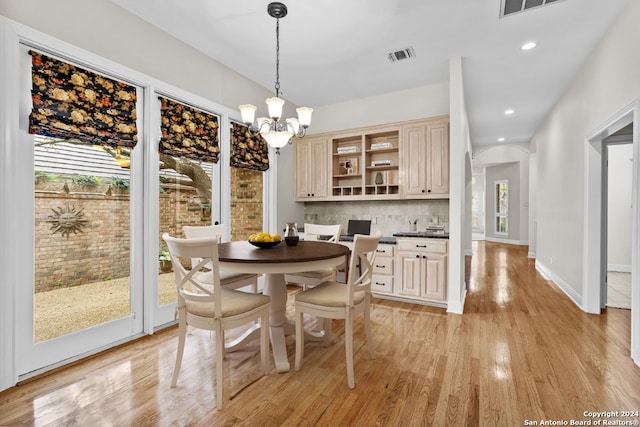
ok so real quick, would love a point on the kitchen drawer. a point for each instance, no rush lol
(382, 284)
(423, 245)
(383, 265)
(384, 251)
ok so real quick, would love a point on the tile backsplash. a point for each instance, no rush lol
(387, 216)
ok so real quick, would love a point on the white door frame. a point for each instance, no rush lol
(594, 226)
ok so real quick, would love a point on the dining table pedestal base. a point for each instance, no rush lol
(281, 326)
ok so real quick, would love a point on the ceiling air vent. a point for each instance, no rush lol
(401, 54)
(508, 7)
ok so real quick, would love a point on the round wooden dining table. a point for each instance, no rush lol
(242, 257)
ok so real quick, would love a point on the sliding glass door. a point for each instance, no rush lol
(82, 277)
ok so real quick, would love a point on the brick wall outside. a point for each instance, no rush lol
(101, 250)
(246, 203)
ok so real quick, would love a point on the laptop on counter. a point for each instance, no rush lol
(358, 226)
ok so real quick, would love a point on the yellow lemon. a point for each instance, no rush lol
(276, 237)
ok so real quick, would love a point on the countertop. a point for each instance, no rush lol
(422, 234)
(391, 240)
(384, 239)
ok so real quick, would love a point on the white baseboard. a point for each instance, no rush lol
(457, 308)
(531, 255)
(621, 268)
(468, 252)
(506, 241)
(564, 286)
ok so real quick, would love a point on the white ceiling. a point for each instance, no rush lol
(335, 50)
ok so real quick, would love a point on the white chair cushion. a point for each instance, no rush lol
(329, 294)
(315, 274)
(225, 277)
(233, 302)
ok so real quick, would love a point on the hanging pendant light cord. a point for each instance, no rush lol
(278, 57)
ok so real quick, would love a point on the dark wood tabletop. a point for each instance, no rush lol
(304, 251)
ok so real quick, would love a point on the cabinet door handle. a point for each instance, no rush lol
(379, 284)
(424, 256)
(380, 266)
(380, 251)
(421, 246)
(417, 256)
(423, 191)
(429, 191)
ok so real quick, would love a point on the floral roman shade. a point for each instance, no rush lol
(79, 105)
(188, 132)
(248, 150)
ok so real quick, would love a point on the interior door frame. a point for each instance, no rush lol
(594, 256)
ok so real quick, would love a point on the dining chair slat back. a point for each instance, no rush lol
(228, 280)
(313, 278)
(210, 306)
(334, 300)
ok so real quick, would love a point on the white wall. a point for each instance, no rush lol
(608, 81)
(533, 202)
(619, 208)
(410, 104)
(460, 150)
(509, 153)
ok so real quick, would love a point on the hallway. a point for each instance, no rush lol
(522, 351)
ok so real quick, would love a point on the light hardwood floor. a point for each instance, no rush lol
(522, 351)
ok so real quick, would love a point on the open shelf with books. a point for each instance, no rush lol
(382, 163)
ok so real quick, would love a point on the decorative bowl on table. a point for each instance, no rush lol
(265, 245)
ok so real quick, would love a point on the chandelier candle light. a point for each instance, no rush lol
(276, 132)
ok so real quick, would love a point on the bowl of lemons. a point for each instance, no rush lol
(265, 240)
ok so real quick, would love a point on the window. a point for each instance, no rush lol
(502, 207)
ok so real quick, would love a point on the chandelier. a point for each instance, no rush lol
(274, 130)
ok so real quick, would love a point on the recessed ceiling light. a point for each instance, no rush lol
(528, 46)
(500, 139)
(509, 112)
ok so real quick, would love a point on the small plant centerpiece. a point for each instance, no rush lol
(164, 258)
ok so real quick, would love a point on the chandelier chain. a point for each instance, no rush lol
(277, 57)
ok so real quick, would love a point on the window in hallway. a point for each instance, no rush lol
(502, 207)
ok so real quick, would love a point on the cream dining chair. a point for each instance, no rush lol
(228, 280)
(309, 279)
(212, 307)
(312, 278)
(334, 300)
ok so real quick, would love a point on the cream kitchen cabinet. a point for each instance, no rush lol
(396, 161)
(425, 154)
(311, 168)
(421, 269)
(383, 266)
